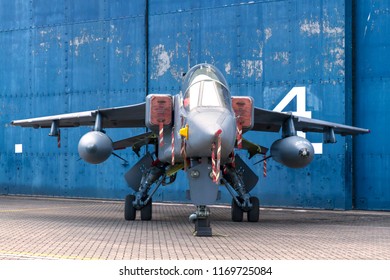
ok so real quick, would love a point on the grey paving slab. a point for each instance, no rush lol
(43, 228)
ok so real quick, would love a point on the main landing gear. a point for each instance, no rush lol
(242, 202)
(142, 200)
(131, 207)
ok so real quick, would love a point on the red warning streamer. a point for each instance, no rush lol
(161, 133)
(216, 159)
(213, 166)
(239, 135)
(183, 152)
(233, 160)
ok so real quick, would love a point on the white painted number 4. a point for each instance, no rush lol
(300, 94)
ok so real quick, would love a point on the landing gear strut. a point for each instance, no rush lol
(142, 200)
(242, 202)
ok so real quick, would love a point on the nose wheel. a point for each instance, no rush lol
(201, 218)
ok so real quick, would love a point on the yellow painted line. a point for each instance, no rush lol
(42, 255)
(37, 209)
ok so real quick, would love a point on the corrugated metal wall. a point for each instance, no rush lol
(64, 56)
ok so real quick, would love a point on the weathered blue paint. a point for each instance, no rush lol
(64, 56)
(59, 57)
(372, 87)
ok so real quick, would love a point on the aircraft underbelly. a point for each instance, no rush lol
(203, 191)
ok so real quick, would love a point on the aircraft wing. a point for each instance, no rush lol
(139, 140)
(126, 116)
(136, 142)
(266, 120)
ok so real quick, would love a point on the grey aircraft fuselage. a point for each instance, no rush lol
(204, 109)
(204, 106)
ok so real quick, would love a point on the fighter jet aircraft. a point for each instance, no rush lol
(198, 131)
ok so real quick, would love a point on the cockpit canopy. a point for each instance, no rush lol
(205, 86)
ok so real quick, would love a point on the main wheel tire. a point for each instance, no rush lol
(130, 211)
(146, 211)
(237, 213)
(253, 214)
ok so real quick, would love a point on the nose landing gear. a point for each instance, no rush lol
(202, 221)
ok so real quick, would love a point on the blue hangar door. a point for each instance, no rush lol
(372, 101)
(65, 56)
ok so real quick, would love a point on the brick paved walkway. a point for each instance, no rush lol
(32, 228)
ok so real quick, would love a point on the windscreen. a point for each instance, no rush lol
(205, 87)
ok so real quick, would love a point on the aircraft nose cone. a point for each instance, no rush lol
(204, 127)
(208, 132)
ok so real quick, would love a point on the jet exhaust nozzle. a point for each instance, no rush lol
(293, 151)
(95, 147)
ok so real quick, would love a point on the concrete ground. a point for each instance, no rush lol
(44, 228)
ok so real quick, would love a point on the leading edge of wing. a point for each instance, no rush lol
(314, 125)
(125, 116)
(136, 142)
(272, 121)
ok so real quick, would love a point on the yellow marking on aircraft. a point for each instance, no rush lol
(184, 132)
